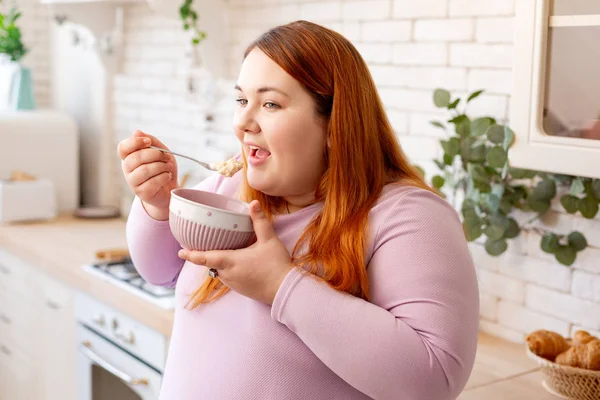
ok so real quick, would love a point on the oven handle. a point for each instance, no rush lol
(86, 349)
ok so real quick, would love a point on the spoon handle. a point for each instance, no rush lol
(205, 165)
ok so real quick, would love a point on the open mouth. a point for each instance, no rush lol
(259, 153)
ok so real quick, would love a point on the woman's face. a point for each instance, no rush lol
(281, 133)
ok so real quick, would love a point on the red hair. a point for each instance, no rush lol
(362, 157)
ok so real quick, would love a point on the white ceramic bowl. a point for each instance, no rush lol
(208, 221)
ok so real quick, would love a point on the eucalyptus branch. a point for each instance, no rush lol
(535, 229)
(529, 221)
(492, 189)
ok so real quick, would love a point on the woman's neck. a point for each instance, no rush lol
(296, 203)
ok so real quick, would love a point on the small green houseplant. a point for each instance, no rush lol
(189, 17)
(21, 96)
(11, 43)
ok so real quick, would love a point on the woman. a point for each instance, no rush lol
(360, 283)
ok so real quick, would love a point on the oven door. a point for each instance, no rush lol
(108, 372)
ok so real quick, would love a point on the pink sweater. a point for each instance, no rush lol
(415, 340)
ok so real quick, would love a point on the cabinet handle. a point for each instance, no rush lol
(5, 319)
(86, 349)
(4, 270)
(5, 350)
(52, 305)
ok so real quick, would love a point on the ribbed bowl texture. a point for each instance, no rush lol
(203, 221)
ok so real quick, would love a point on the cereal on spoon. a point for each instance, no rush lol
(230, 167)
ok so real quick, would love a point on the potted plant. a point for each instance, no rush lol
(13, 50)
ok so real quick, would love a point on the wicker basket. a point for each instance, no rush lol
(568, 382)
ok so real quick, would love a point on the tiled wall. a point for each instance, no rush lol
(412, 47)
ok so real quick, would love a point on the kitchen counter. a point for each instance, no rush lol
(502, 371)
(60, 247)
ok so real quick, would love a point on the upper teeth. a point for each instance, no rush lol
(254, 148)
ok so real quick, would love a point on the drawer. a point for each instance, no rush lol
(18, 323)
(19, 371)
(15, 274)
(55, 294)
(22, 296)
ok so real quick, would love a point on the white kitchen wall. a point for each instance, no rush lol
(411, 47)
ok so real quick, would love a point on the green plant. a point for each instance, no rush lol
(10, 36)
(475, 165)
(189, 17)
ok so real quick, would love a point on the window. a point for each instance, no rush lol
(555, 109)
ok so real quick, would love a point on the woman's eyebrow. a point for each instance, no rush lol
(265, 89)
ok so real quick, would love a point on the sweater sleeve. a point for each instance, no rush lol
(152, 247)
(417, 337)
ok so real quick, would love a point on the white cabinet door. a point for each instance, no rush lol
(58, 366)
(555, 107)
(19, 329)
(19, 372)
(37, 334)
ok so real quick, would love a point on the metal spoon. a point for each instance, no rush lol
(211, 167)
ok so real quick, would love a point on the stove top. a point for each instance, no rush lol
(124, 274)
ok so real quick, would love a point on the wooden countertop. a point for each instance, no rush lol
(502, 371)
(60, 247)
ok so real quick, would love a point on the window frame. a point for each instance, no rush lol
(533, 148)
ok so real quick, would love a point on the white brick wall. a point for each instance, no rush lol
(366, 10)
(420, 9)
(420, 54)
(411, 47)
(488, 306)
(524, 320)
(386, 31)
(461, 8)
(501, 286)
(493, 81)
(563, 306)
(481, 55)
(439, 30)
(494, 30)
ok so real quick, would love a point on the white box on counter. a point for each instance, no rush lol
(27, 200)
(45, 144)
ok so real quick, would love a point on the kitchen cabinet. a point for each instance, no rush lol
(17, 330)
(58, 342)
(37, 334)
(555, 107)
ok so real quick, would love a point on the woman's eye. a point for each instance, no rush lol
(271, 105)
(241, 102)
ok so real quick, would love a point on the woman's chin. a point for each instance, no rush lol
(258, 184)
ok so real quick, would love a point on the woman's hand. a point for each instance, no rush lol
(150, 173)
(256, 271)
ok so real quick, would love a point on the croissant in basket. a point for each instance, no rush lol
(547, 344)
(582, 337)
(582, 356)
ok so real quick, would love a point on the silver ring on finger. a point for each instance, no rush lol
(213, 273)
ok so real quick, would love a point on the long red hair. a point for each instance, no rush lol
(363, 155)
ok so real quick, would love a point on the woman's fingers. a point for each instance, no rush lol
(217, 259)
(132, 144)
(149, 188)
(144, 156)
(147, 171)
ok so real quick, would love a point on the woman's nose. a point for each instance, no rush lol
(245, 121)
